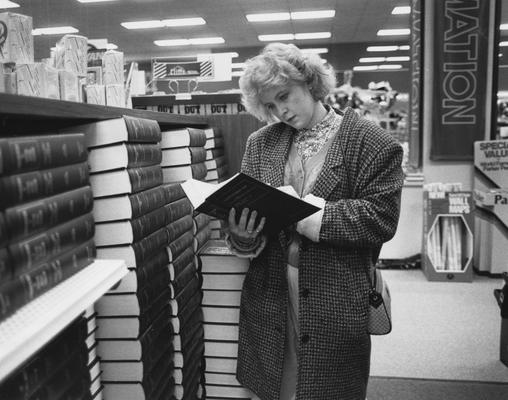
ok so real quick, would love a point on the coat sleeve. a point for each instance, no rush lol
(369, 218)
(251, 156)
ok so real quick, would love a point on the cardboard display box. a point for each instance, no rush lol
(447, 236)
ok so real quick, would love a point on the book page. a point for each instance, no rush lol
(198, 191)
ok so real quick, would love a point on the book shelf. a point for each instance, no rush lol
(35, 324)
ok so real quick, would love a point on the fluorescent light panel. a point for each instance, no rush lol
(187, 42)
(401, 10)
(317, 50)
(393, 32)
(8, 4)
(163, 23)
(377, 67)
(383, 59)
(386, 48)
(286, 16)
(503, 27)
(56, 30)
(503, 44)
(296, 36)
(281, 36)
(94, 1)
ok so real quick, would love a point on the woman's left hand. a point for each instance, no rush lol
(245, 229)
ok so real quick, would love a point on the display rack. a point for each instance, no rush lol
(35, 324)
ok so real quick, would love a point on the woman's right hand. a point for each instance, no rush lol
(245, 229)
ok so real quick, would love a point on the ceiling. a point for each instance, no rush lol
(355, 21)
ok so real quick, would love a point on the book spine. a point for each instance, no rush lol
(29, 153)
(142, 130)
(201, 238)
(149, 245)
(152, 267)
(193, 324)
(199, 170)
(147, 318)
(29, 186)
(177, 246)
(197, 137)
(40, 248)
(145, 177)
(3, 230)
(183, 259)
(143, 155)
(179, 227)
(179, 208)
(147, 200)
(148, 223)
(190, 290)
(198, 154)
(31, 218)
(184, 277)
(25, 288)
(187, 310)
(200, 221)
(174, 191)
(5, 265)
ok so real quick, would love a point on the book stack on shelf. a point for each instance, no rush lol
(185, 294)
(216, 164)
(93, 361)
(183, 155)
(223, 274)
(58, 370)
(46, 222)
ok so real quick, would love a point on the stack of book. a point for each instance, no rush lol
(185, 293)
(183, 154)
(134, 332)
(57, 371)
(223, 274)
(93, 358)
(46, 224)
(216, 164)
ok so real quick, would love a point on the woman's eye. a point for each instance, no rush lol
(269, 107)
(284, 96)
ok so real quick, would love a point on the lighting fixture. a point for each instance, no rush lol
(377, 67)
(371, 59)
(365, 68)
(503, 27)
(313, 35)
(282, 36)
(404, 47)
(285, 16)
(401, 10)
(8, 4)
(187, 42)
(94, 1)
(386, 48)
(163, 23)
(56, 30)
(390, 66)
(393, 32)
(398, 58)
(503, 44)
(111, 46)
(317, 50)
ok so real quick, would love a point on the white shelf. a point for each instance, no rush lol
(35, 324)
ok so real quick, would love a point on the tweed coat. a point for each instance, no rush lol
(361, 181)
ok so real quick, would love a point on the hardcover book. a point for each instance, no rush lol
(191, 137)
(123, 181)
(181, 173)
(124, 155)
(183, 156)
(242, 191)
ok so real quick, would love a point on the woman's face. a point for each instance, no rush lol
(292, 104)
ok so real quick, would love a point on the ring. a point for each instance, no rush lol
(249, 232)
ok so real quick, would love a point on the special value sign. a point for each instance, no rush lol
(461, 51)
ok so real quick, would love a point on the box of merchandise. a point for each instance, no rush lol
(52, 82)
(16, 40)
(112, 68)
(7, 78)
(71, 54)
(115, 95)
(96, 94)
(69, 88)
(31, 79)
(491, 164)
(491, 230)
(448, 235)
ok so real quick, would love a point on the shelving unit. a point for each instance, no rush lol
(35, 324)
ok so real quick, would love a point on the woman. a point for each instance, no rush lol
(304, 302)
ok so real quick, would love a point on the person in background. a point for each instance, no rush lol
(303, 315)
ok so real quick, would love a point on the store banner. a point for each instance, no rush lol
(461, 50)
(416, 94)
(167, 68)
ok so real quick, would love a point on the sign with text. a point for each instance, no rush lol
(461, 50)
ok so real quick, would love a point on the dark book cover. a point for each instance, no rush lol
(242, 191)
(5, 265)
(178, 208)
(150, 245)
(173, 191)
(185, 313)
(143, 178)
(29, 186)
(147, 200)
(184, 277)
(31, 218)
(178, 246)
(154, 266)
(29, 153)
(197, 137)
(179, 263)
(214, 153)
(142, 129)
(124, 155)
(198, 154)
(200, 221)
(3, 229)
(178, 227)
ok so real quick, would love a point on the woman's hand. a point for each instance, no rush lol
(245, 229)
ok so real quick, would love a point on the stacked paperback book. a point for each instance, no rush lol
(46, 222)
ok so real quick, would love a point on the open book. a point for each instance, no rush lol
(242, 191)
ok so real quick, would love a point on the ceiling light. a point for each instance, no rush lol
(371, 59)
(143, 24)
(283, 36)
(313, 35)
(503, 44)
(268, 17)
(187, 42)
(232, 54)
(56, 30)
(317, 50)
(207, 40)
(365, 68)
(393, 32)
(238, 65)
(184, 22)
(386, 48)
(398, 58)
(401, 10)
(390, 66)
(8, 4)
(503, 27)
(94, 1)
(404, 47)
(313, 14)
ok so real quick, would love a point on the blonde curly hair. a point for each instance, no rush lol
(279, 65)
